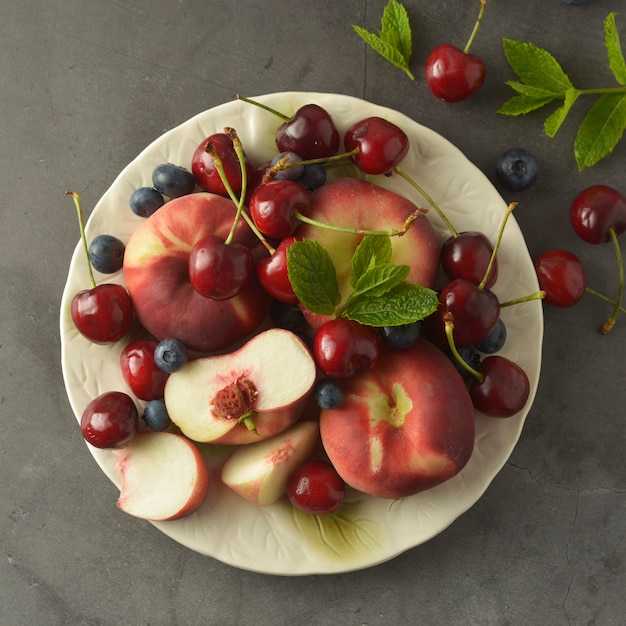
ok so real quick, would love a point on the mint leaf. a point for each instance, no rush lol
(395, 28)
(554, 122)
(614, 49)
(394, 41)
(313, 276)
(538, 93)
(372, 250)
(601, 130)
(378, 280)
(520, 105)
(536, 66)
(404, 304)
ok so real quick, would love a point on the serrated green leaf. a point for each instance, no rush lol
(536, 66)
(554, 122)
(404, 304)
(614, 49)
(395, 29)
(394, 41)
(378, 280)
(538, 93)
(372, 250)
(601, 130)
(313, 276)
(520, 105)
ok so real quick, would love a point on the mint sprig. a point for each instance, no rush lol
(394, 41)
(542, 81)
(380, 296)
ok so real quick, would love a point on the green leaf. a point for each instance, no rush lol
(614, 49)
(395, 29)
(394, 41)
(372, 250)
(313, 276)
(520, 105)
(554, 122)
(378, 280)
(536, 66)
(601, 130)
(404, 304)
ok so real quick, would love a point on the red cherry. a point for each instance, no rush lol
(110, 420)
(275, 205)
(145, 378)
(316, 488)
(344, 348)
(467, 255)
(102, 314)
(381, 145)
(272, 273)
(219, 270)
(310, 133)
(453, 75)
(204, 170)
(502, 390)
(562, 276)
(595, 211)
(475, 311)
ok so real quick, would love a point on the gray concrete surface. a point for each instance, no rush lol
(86, 85)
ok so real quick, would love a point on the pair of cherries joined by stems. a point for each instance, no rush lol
(597, 215)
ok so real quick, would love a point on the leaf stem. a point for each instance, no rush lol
(83, 237)
(470, 41)
(601, 90)
(398, 170)
(608, 325)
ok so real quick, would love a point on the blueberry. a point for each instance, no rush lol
(313, 176)
(285, 315)
(170, 355)
(574, 2)
(155, 415)
(106, 254)
(494, 341)
(328, 394)
(471, 357)
(292, 172)
(401, 337)
(145, 201)
(517, 169)
(172, 180)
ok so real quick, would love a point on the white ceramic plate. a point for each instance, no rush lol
(277, 539)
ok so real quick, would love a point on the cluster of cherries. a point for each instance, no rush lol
(277, 195)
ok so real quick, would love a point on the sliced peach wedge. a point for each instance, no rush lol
(246, 396)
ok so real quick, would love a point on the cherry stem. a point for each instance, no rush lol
(244, 181)
(538, 295)
(492, 260)
(470, 41)
(398, 170)
(219, 166)
(601, 296)
(449, 327)
(608, 325)
(83, 237)
(264, 106)
(284, 163)
(397, 232)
